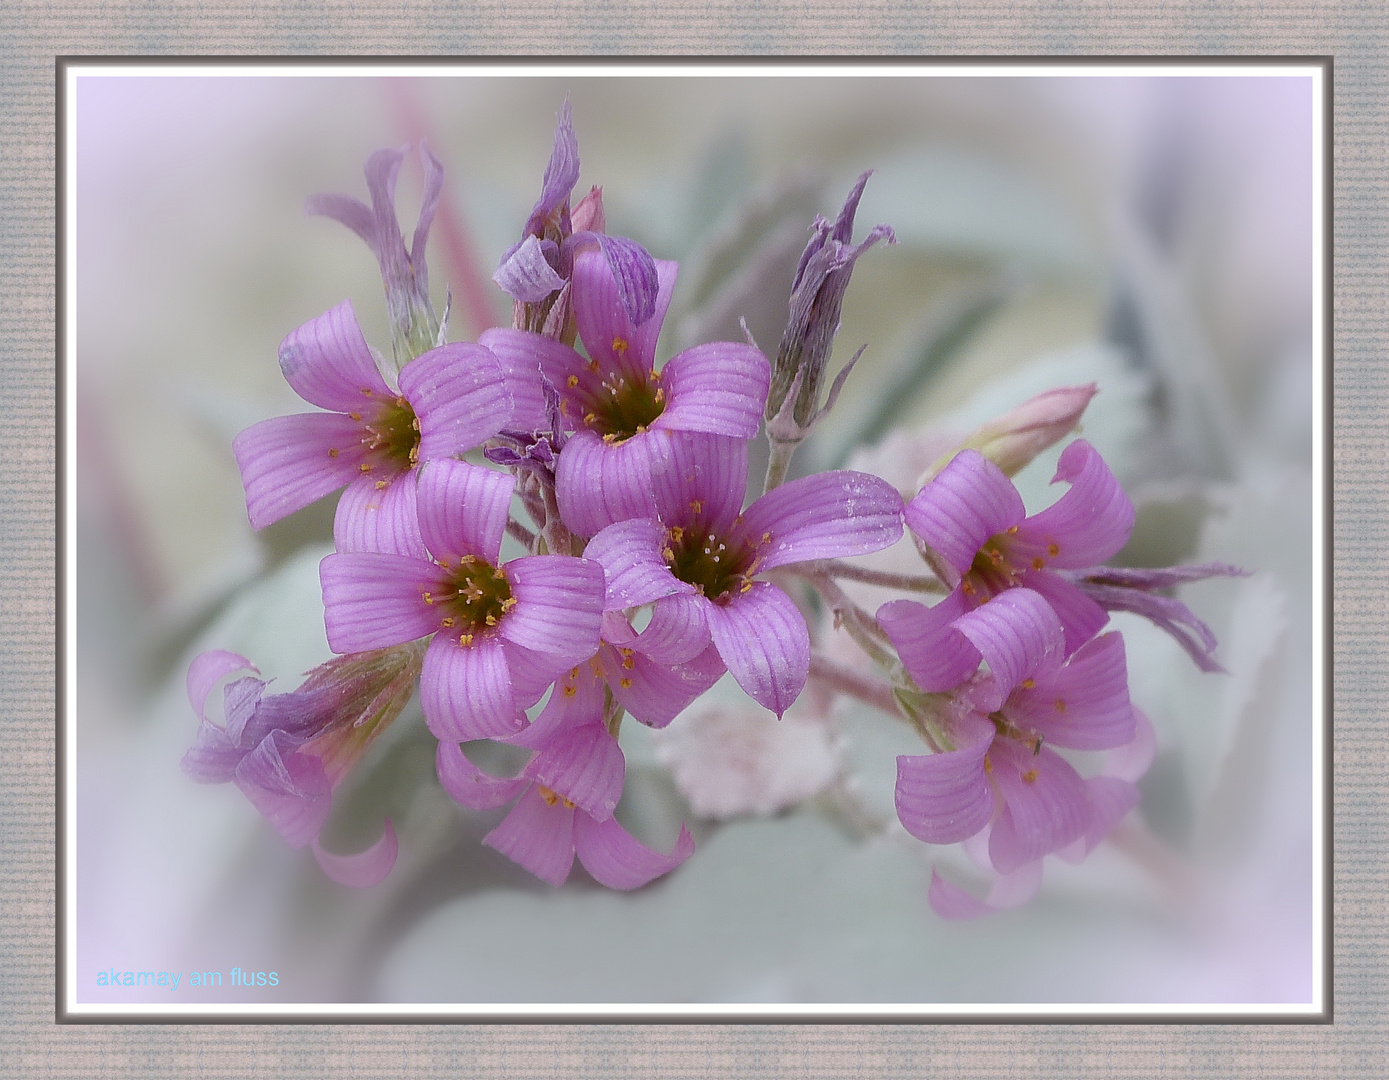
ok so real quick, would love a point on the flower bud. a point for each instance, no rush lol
(588, 216)
(817, 295)
(1013, 440)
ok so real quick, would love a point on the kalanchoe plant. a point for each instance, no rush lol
(646, 577)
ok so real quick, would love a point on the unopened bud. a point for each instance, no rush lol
(589, 216)
(817, 295)
(1013, 440)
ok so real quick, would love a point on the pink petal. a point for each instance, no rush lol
(634, 566)
(578, 701)
(469, 786)
(537, 837)
(459, 396)
(364, 869)
(465, 690)
(290, 461)
(1040, 815)
(1111, 800)
(1089, 523)
(656, 693)
(967, 502)
(1081, 616)
(523, 357)
(598, 484)
(585, 765)
(678, 630)
(372, 600)
(936, 655)
(944, 798)
(290, 788)
(603, 320)
(531, 672)
(720, 388)
(328, 363)
(826, 516)
(1008, 891)
(213, 757)
(1083, 706)
(618, 860)
(207, 670)
(701, 482)
(559, 606)
(463, 509)
(1016, 633)
(1132, 761)
(371, 518)
(762, 637)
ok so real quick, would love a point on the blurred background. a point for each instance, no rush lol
(1151, 234)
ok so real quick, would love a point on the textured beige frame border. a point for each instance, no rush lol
(34, 1046)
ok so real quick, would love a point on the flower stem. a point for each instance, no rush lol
(778, 462)
(907, 582)
(845, 680)
(519, 532)
(861, 626)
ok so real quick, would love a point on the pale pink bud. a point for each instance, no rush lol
(588, 216)
(1012, 440)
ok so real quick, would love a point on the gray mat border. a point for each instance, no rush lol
(35, 33)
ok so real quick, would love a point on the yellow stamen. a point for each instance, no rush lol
(1029, 777)
(573, 381)
(332, 451)
(625, 682)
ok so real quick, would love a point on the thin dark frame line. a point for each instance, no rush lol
(62, 389)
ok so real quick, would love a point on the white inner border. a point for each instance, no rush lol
(475, 69)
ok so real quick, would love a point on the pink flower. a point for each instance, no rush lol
(568, 791)
(697, 558)
(622, 411)
(286, 752)
(1002, 773)
(979, 540)
(501, 632)
(373, 438)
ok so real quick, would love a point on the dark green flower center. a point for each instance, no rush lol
(622, 406)
(392, 436)
(475, 599)
(707, 562)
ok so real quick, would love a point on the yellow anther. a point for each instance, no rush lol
(766, 538)
(629, 663)
(491, 620)
(573, 381)
(677, 533)
(549, 796)
(446, 623)
(624, 682)
(465, 639)
(696, 506)
(1053, 549)
(366, 390)
(610, 438)
(1060, 705)
(747, 587)
(364, 467)
(967, 587)
(332, 451)
(1012, 530)
(620, 346)
(1029, 683)
(564, 406)
(356, 416)
(660, 394)
(988, 765)
(428, 599)
(668, 555)
(574, 673)
(1029, 777)
(415, 423)
(570, 690)
(593, 366)
(590, 418)
(1037, 562)
(381, 485)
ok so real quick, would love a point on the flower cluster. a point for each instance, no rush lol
(648, 574)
